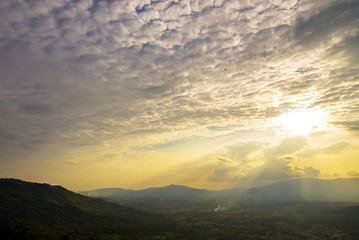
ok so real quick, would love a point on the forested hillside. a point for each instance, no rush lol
(40, 211)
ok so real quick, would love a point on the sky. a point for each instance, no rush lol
(208, 94)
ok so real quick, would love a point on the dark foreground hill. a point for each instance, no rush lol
(40, 211)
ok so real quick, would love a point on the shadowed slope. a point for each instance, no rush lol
(40, 211)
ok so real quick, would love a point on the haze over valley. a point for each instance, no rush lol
(275, 211)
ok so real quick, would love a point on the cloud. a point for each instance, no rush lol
(254, 163)
(311, 172)
(336, 17)
(226, 160)
(108, 157)
(33, 108)
(272, 170)
(353, 174)
(135, 74)
(335, 148)
(240, 152)
(291, 145)
(223, 173)
(135, 53)
(352, 126)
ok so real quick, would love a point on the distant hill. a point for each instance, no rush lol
(335, 190)
(171, 192)
(331, 190)
(153, 199)
(41, 211)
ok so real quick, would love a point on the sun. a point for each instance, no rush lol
(302, 121)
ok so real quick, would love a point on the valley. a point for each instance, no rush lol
(41, 211)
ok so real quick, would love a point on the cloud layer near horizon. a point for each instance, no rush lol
(123, 78)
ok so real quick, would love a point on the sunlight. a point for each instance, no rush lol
(302, 121)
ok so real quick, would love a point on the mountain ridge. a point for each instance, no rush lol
(304, 189)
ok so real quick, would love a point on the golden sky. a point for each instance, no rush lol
(209, 94)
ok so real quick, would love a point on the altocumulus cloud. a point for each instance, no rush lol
(83, 73)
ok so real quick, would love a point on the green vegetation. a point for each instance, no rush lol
(286, 221)
(40, 211)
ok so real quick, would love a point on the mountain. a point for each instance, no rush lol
(156, 198)
(41, 211)
(332, 190)
(171, 192)
(171, 196)
(335, 190)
